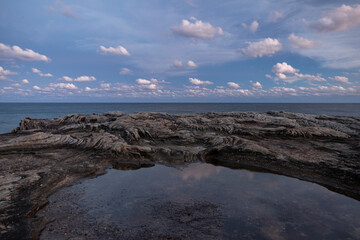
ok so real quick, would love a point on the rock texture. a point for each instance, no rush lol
(42, 155)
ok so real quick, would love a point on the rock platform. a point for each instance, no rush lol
(42, 155)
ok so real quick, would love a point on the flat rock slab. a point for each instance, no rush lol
(42, 155)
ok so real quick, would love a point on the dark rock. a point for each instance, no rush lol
(42, 155)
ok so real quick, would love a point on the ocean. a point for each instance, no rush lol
(12, 113)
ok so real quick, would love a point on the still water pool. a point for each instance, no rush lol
(199, 201)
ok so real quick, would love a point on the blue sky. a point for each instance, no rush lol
(180, 51)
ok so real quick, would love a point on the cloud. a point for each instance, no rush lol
(253, 26)
(281, 69)
(4, 73)
(268, 76)
(339, 51)
(37, 71)
(17, 53)
(78, 79)
(233, 85)
(220, 91)
(268, 46)
(340, 79)
(142, 81)
(125, 71)
(151, 84)
(328, 91)
(25, 81)
(178, 64)
(197, 91)
(105, 86)
(191, 64)
(284, 68)
(196, 81)
(338, 19)
(257, 85)
(85, 79)
(119, 50)
(197, 29)
(150, 88)
(191, 3)
(274, 16)
(301, 43)
(66, 79)
(279, 91)
(353, 73)
(311, 78)
(69, 86)
(63, 9)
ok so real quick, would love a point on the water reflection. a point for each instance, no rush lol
(204, 201)
(199, 171)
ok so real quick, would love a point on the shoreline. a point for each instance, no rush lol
(43, 155)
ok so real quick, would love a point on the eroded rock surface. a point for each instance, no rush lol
(42, 155)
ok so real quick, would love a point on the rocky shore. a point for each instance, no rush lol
(42, 155)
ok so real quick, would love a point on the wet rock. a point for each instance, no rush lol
(42, 155)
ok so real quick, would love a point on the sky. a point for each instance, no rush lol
(179, 51)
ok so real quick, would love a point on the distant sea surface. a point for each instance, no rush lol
(12, 113)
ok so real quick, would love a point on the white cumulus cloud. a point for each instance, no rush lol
(257, 85)
(191, 64)
(85, 79)
(338, 19)
(268, 46)
(279, 91)
(281, 69)
(25, 81)
(340, 79)
(78, 79)
(37, 71)
(142, 81)
(233, 85)
(311, 78)
(119, 50)
(125, 71)
(15, 52)
(196, 81)
(36, 88)
(197, 29)
(152, 84)
(69, 86)
(301, 43)
(4, 73)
